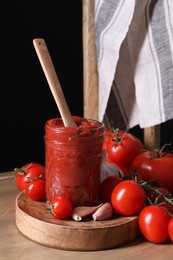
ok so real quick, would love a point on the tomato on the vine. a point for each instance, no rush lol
(157, 194)
(161, 197)
(60, 207)
(122, 149)
(35, 189)
(107, 186)
(153, 223)
(128, 198)
(29, 170)
(152, 165)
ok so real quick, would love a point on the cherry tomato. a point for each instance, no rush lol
(107, 187)
(122, 149)
(29, 170)
(61, 207)
(170, 229)
(35, 189)
(128, 198)
(124, 171)
(150, 165)
(153, 223)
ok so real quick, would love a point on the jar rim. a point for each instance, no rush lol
(90, 131)
(51, 125)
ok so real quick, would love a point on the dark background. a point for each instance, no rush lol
(26, 102)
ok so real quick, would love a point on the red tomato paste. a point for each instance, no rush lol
(72, 160)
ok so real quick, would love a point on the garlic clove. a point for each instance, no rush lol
(104, 212)
(83, 211)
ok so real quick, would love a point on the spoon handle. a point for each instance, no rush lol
(53, 81)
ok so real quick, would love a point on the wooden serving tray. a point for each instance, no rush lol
(36, 223)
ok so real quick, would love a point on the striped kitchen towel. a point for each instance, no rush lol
(134, 44)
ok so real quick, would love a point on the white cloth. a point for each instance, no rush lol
(134, 44)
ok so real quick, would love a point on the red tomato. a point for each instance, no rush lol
(35, 189)
(128, 198)
(123, 170)
(29, 170)
(61, 207)
(122, 149)
(107, 187)
(170, 229)
(151, 167)
(153, 223)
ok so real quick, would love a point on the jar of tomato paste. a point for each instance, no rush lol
(72, 160)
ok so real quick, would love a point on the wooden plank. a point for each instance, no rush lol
(152, 137)
(14, 245)
(36, 223)
(90, 75)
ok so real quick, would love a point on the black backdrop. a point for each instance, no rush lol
(26, 102)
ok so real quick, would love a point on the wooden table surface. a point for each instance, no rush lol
(14, 245)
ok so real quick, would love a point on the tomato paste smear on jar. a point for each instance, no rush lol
(72, 160)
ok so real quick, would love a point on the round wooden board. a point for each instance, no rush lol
(36, 223)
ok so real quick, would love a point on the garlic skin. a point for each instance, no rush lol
(80, 212)
(104, 212)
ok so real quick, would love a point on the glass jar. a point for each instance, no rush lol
(73, 159)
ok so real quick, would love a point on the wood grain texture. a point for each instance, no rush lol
(14, 245)
(90, 75)
(36, 223)
(152, 137)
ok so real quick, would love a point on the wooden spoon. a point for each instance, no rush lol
(53, 81)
